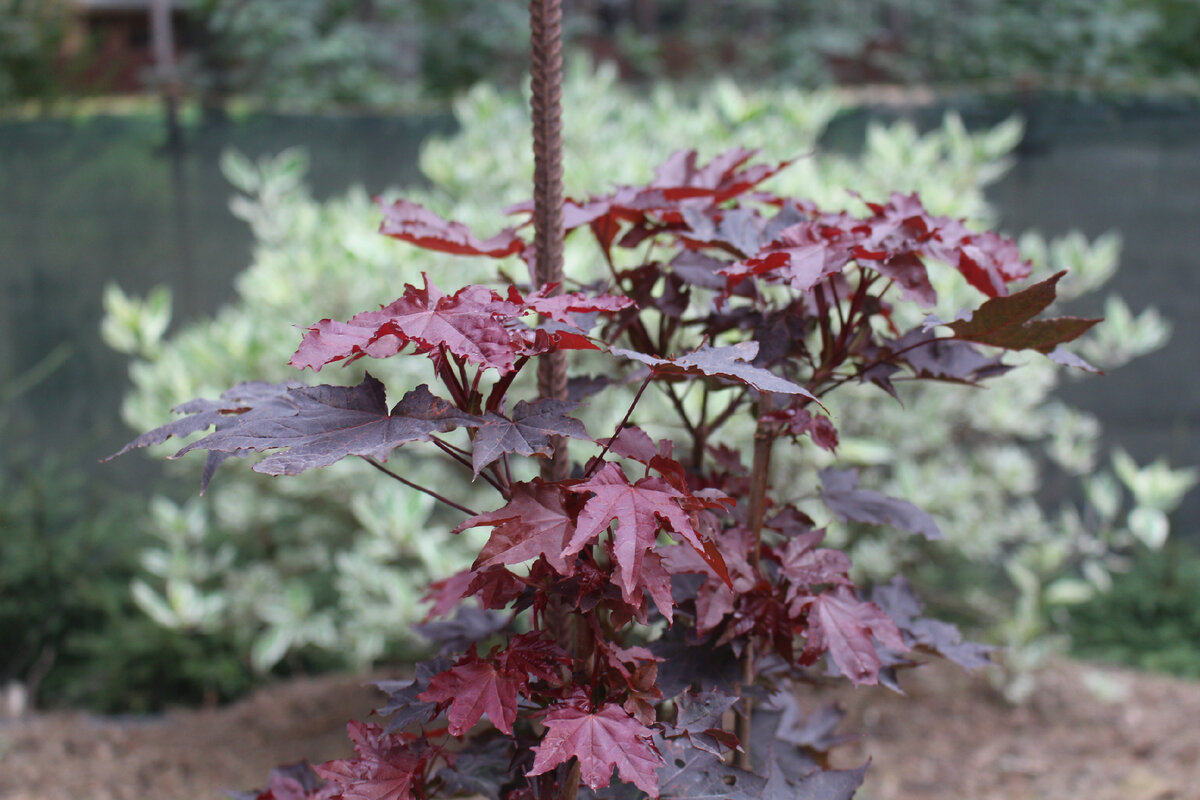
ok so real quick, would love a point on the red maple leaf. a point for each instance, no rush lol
(474, 688)
(639, 509)
(386, 768)
(413, 223)
(840, 623)
(470, 324)
(534, 522)
(562, 307)
(602, 740)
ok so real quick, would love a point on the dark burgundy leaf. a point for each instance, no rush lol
(319, 425)
(402, 704)
(602, 740)
(688, 661)
(901, 603)
(412, 223)
(1069, 359)
(842, 496)
(480, 769)
(946, 360)
(528, 432)
(730, 361)
(469, 625)
(814, 731)
(1008, 322)
(534, 522)
(738, 230)
(689, 773)
(830, 784)
(698, 717)
(840, 623)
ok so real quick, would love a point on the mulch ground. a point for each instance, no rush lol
(1087, 733)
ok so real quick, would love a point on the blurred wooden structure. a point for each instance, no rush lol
(118, 39)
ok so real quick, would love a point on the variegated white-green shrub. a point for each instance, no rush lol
(332, 559)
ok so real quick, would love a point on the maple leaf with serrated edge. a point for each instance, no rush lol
(804, 564)
(840, 493)
(221, 413)
(840, 623)
(698, 717)
(386, 768)
(534, 522)
(1008, 322)
(318, 425)
(417, 225)
(527, 432)
(602, 739)
(730, 361)
(470, 324)
(473, 688)
(562, 307)
(637, 508)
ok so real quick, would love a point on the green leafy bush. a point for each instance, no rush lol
(261, 540)
(1150, 618)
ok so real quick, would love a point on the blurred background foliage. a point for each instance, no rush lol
(321, 54)
(1053, 539)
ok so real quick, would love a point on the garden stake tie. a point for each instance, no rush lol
(546, 68)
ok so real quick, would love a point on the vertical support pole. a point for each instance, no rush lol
(546, 67)
(162, 39)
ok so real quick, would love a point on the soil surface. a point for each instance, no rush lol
(1088, 732)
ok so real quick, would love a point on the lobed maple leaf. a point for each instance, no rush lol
(417, 225)
(678, 182)
(474, 324)
(319, 425)
(603, 739)
(527, 432)
(730, 361)
(1008, 322)
(314, 426)
(699, 716)
(840, 623)
(386, 768)
(637, 509)
(474, 688)
(534, 522)
(469, 324)
(840, 493)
